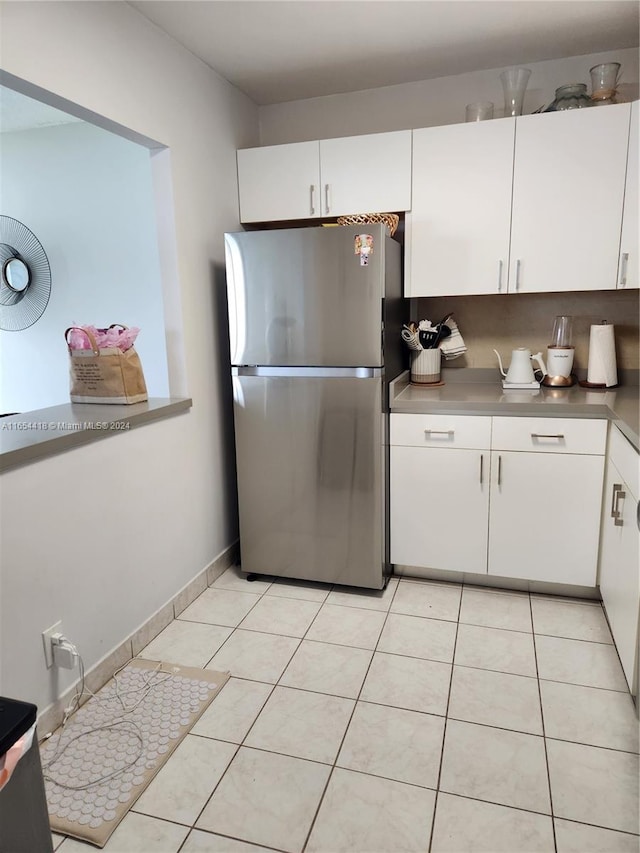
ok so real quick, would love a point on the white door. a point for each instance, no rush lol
(620, 568)
(279, 182)
(461, 211)
(628, 270)
(568, 191)
(439, 508)
(545, 516)
(366, 174)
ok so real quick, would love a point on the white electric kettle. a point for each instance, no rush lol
(521, 371)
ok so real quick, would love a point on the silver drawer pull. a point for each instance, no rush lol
(438, 432)
(558, 435)
(481, 467)
(499, 470)
(623, 269)
(312, 204)
(617, 495)
(500, 265)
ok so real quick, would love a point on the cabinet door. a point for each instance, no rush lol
(619, 573)
(545, 516)
(439, 508)
(568, 192)
(461, 211)
(279, 182)
(366, 174)
(628, 271)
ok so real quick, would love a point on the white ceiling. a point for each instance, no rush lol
(282, 50)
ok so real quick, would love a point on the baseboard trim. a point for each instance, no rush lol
(51, 717)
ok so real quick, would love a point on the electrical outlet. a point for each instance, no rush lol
(46, 642)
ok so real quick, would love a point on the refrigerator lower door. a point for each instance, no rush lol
(311, 477)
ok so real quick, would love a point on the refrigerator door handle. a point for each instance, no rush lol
(313, 372)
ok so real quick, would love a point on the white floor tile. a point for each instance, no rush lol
(496, 610)
(368, 599)
(579, 662)
(327, 668)
(136, 834)
(266, 799)
(495, 699)
(56, 840)
(347, 626)
(580, 838)
(256, 656)
(574, 621)
(185, 783)
(593, 785)
(470, 825)
(362, 814)
(433, 600)
(394, 743)
(589, 715)
(431, 639)
(504, 767)
(220, 607)
(207, 842)
(235, 578)
(411, 683)
(186, 643)
(496, 649)
(302, 724)
(285, 616)
(233, 711)
(306, 590)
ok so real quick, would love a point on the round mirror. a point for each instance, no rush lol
(16, 275)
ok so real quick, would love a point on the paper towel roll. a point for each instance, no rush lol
(602, 356)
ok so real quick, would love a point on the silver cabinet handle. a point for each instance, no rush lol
(558, 435)
(500, 265)
(481, 467)
(499, 470)
(617, 495)
(624, 263)
(312, 204)
(439, 432)
(327, 199)
(518, 263)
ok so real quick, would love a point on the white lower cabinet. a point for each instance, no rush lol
(619, 575)
(521, 500)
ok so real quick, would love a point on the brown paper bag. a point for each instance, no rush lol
(105, 375)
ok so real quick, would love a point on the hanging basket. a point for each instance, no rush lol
(391, 220)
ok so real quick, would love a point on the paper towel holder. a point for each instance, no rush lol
(598, 386)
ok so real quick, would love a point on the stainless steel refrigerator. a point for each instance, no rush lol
(314, 322)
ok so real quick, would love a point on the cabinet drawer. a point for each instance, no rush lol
(625, 457)
(459, 431)
(550, 435)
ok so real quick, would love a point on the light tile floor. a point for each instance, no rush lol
(429, 717)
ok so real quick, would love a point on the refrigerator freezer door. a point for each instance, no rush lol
(310, 462)
(302, 296)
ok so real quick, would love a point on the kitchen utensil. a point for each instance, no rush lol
(411, 339)
(443, 332)
(521, 372)
(560, 354)
(427, 338)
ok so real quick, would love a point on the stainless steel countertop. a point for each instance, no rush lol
(619, 405)
(31, 436)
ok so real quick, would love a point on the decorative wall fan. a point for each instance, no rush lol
(25, 276)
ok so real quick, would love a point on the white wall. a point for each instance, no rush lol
(430, 102)
(103, 535)
(87, 195)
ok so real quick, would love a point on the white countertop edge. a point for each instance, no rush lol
(619, 406)
(30, 436)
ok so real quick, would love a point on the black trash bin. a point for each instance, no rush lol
(24, 819)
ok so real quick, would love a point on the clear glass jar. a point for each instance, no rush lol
(604, 82)
(573, 96)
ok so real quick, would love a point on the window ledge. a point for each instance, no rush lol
(34, 435)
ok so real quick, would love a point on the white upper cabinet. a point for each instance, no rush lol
(628, 268)
(568, 192)
(279, 182)
(333, 177)
(457, 235)
(366, 174)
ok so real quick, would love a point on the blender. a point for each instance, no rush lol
(560, 354)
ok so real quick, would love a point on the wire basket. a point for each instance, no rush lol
(391, 220)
